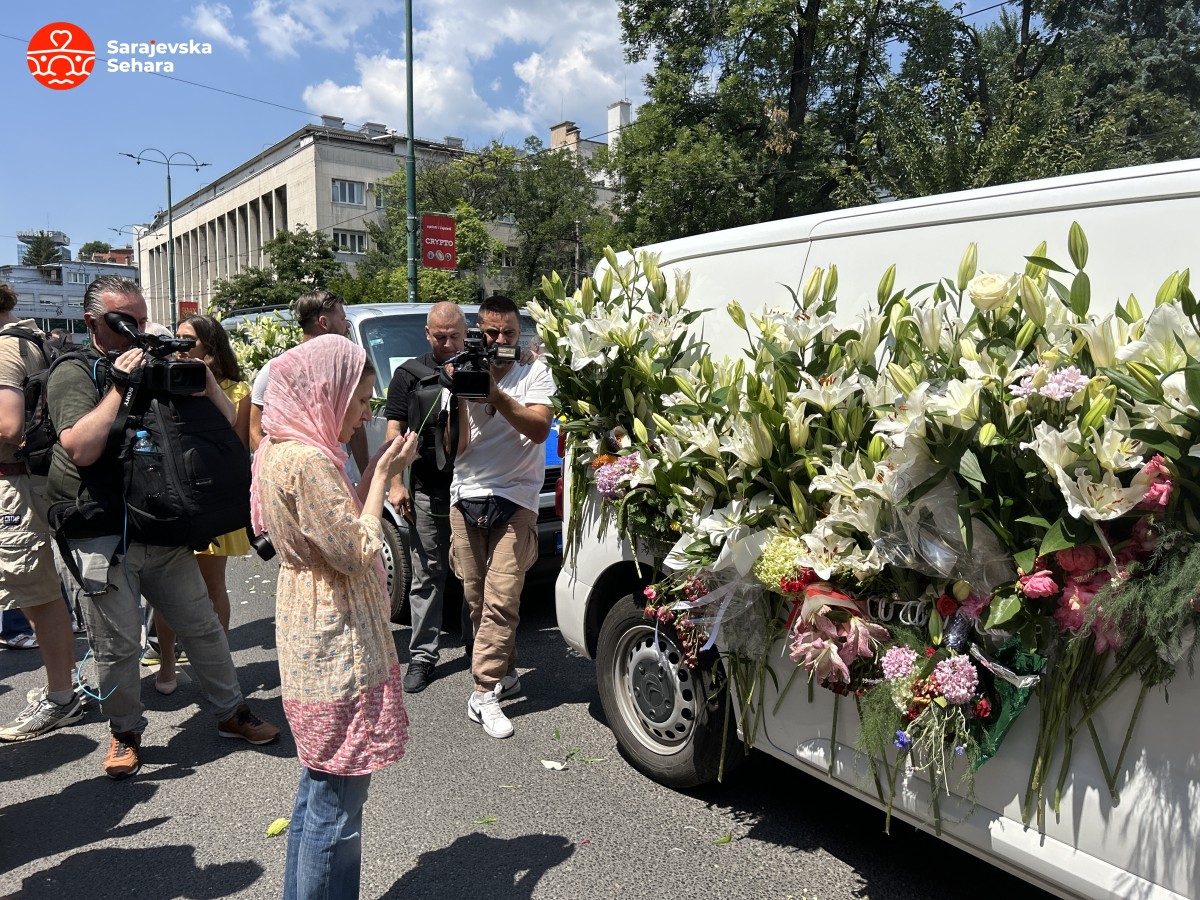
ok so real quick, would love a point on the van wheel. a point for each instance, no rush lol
(667, 718)
(397, 566)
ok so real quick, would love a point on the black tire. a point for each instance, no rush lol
(668, 719)
(398, 566)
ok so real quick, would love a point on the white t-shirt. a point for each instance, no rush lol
(499, 460)
(258, 393)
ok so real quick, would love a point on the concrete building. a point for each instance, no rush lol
(323, 177)
(52, 295)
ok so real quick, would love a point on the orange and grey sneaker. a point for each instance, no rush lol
(122, 758)
(247, 726)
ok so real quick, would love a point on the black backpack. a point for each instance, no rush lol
(428, 417)
(38, 435)
(186, 480)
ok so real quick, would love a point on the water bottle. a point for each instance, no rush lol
(142, 443)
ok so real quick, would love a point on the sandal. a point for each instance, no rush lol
(20, 642)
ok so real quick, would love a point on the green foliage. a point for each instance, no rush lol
(41, 250)
(91, 247)
(760, 109)
(300, 261)
(261, 339)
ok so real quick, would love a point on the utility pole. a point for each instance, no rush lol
(410, 163)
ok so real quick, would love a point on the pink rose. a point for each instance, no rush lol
(1039, 584)
(1080, 560)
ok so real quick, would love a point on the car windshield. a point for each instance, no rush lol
(391, 340)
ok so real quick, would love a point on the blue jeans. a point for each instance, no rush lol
(324, 851)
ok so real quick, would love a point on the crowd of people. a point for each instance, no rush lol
(466, 475)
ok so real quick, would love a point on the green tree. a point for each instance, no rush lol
(93, 247)
(41, 250)
(298, 261)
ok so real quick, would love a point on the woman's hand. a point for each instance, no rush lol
(398, 454)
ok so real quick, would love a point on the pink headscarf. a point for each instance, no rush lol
(308, 393)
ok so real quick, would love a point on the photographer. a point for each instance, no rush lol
(106, 572)
(498, 476)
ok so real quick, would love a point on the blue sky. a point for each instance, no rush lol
(484, 69)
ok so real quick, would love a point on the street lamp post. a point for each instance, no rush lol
(137, 240)
(166, 160)
(410, 162)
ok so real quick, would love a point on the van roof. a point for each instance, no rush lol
(1111, 186)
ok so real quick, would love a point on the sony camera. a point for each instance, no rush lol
(161, 375)
(471, 377)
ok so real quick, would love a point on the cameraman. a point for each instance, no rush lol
(427, 504)
(498, 475)
(105, 573)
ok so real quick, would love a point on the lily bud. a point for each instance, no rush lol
(812, 287)
(1032, 301)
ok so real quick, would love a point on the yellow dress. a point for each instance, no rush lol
(236, 543)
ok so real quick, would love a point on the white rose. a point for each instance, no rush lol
(989, 292)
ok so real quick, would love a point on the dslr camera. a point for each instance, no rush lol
(472, 378)
(161, 375)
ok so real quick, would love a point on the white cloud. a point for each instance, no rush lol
(566, 60)
(212, 21)
(285, 25)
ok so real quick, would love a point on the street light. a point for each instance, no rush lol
(166, 160)
(137, 240)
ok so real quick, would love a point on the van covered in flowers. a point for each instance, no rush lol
(908, 496)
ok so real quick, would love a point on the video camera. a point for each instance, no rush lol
(162, 375)
(471, 377)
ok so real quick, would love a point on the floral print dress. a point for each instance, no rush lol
(337, 663)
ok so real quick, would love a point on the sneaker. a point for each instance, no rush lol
(40, 717)
(484, 709)
(122, 759)
(35, 695)
(509, 686)
(150, 656)
(247, 726)
(418, 676)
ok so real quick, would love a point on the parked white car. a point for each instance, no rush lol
(665, 716)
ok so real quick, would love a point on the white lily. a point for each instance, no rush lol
(585, 347)
(826, 551)
(1053, 447)
(828, 393)
(748, 440)
(798, 422)
(934, 324)
(959, 405)
(729, 522)
(1168, 339)
(1104, 339)
(703, 436)
(1103, 499)
(907, 419)
(1113, 448)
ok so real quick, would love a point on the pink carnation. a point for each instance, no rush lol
(1077, 595)
(898, 662)
(1158, 495)
(957, 679)
(1080, 560)
(1039, 584)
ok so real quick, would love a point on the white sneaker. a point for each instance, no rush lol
(509, 686)
(484, 709)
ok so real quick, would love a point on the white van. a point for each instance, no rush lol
(1148, 845)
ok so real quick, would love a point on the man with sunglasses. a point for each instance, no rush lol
(498, 473)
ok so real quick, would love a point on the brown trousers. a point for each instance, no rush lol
(491, 563)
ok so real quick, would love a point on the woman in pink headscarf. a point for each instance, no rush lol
(337, 662)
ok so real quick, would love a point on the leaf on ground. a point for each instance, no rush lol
(485, 820)
(594, 759)
(279, 826)
(724, 840)
(557, 735)
(553, 764)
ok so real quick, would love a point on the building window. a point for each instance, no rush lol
(350, 241)
(508, 258)
(78, 278)
(350, 193)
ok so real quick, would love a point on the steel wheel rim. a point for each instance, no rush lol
(656, 698)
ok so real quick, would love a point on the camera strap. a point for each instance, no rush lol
(116, 432)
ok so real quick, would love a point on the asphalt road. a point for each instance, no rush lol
(461, 815)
